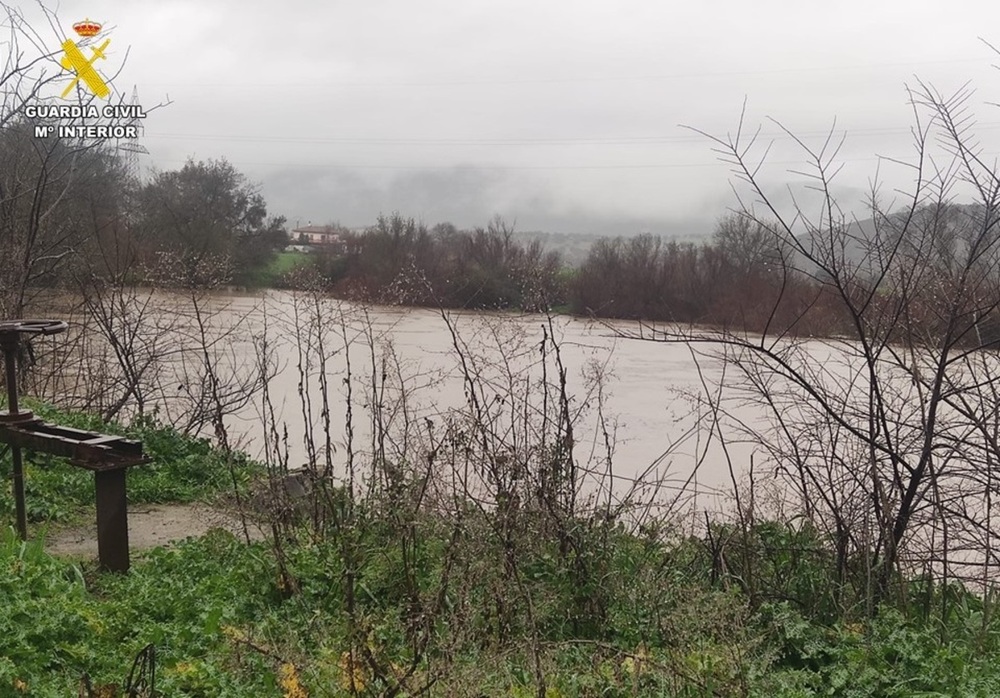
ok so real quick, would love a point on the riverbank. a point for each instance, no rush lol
(391, 598)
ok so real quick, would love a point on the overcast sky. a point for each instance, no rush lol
(564, 116)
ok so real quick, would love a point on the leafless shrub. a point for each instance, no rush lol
(883, 430)
(497, 478)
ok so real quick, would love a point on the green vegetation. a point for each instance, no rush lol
(629, 614)
(285, 262)
(275, 274)
(202, 224)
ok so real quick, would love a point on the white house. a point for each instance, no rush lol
(318, 235)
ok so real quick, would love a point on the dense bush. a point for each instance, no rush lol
(647, 278)
(399, 261)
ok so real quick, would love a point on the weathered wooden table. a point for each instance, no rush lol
(108, 457)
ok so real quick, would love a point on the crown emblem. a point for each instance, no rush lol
(87, 28)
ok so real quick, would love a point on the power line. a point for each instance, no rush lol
(430, 82)
(519, 168)
(593, 140)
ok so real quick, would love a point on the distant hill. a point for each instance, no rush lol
(859, 248)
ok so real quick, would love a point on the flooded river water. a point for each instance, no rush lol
(645, 400)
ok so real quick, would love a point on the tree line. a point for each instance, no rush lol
(401, 261)
(734, 278)
(745, 277)
(72, 214)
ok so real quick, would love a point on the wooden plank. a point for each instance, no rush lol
(85, 449)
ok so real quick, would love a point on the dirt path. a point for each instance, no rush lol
(150, 526)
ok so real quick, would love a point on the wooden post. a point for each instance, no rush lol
(17, 484)
(112, 520)
(10, 342)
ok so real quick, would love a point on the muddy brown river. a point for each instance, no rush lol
(644, 401)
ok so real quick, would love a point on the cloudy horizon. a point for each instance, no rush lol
(566, 117)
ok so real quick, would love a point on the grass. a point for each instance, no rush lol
(285, 262)
(280, 266)
(223, 625)
(273, 274)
